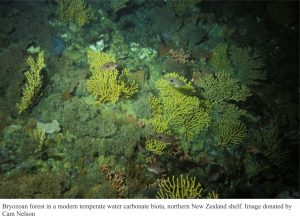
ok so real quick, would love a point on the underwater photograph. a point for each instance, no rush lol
(149, 99)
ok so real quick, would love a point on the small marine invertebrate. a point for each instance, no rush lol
(76, 11)
(33, 82)
(222, 87)
(174, 111)
(155, 146)
(227, 112)
(40, 136)
(180, 55)
(213, 195)
(105, 84)
(245, 64)
(219, 59)
(227, 124)
(98, 59)
(235, 69)
(268, 141)
(117, 5)
(160, 126)
(248, 65)
(184, 114)
(117, 179)
(129, 86)
(179, 188)
(230, 133)
(156, 108)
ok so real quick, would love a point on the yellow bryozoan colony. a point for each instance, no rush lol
(106, 83)
(33, 82)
